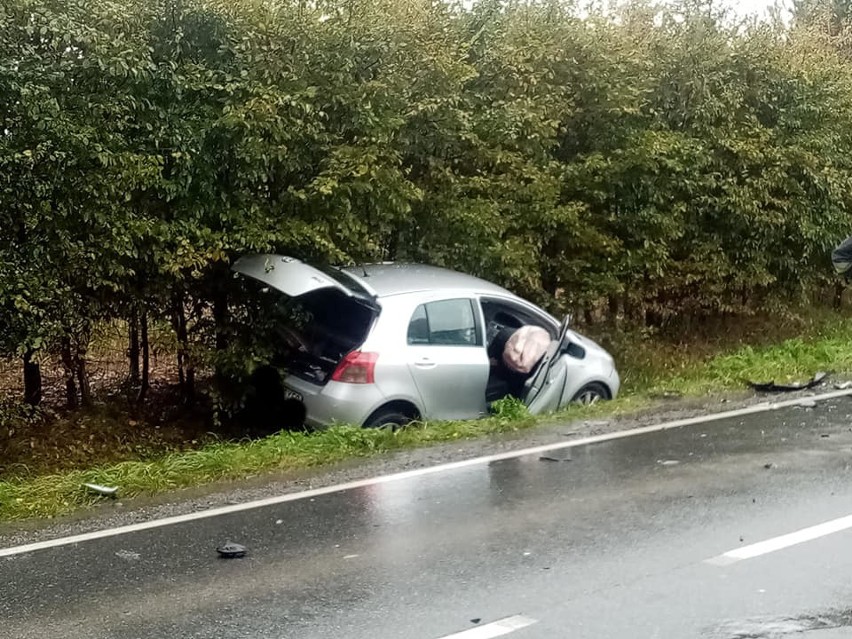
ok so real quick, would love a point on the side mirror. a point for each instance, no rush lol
(574, 350)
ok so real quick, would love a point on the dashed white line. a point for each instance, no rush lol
(784, 541)
(418, 472)
(496, 629)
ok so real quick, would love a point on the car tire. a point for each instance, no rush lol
(392, 418)
(590, 394)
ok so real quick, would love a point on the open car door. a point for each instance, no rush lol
(546, 387)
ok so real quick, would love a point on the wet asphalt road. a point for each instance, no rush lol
(612, 543)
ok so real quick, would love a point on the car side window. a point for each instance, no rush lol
(444, 323)
(501, 313)
(418, 328)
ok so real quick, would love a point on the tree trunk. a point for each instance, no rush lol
(838, 296)
(744, 297)
(133, 350)
(181, 376)
(654, 318)
(633, 310)
(185, 368)
(176, 327)
(146, 363)
(189, 392)
(612, 309)
(32, 379)
(220, 320)
(83, 379)
(68, 365)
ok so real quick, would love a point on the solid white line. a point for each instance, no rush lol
(784, 541)
(419, 472)
(496, 629)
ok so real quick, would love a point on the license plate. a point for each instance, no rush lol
(291, 394)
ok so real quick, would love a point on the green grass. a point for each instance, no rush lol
(648, 367)
(52, 495)
(826, 347)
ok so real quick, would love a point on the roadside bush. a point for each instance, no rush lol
(650, 163)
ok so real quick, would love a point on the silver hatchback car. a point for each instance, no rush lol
(383, 344)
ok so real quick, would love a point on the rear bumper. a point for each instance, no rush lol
(336, 401)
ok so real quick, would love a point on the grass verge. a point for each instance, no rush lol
(649, 367)
(52, 495)
(780, 353)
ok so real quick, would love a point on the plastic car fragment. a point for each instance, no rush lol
(772, 387)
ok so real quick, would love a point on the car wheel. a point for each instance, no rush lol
(590, 394)
(388, 418)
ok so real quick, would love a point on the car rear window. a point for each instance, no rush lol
(344, 278)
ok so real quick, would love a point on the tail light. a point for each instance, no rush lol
(356, 368)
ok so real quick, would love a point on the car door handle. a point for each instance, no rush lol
(425, 362)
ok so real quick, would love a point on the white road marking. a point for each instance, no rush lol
(784, 541)
(418, 472)
(496, 629)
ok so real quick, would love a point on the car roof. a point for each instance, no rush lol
(397, 278)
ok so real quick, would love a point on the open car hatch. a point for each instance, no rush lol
(295, 278)
(314, 316)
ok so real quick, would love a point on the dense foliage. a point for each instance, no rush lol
(647, 163)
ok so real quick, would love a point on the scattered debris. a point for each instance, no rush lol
(475, 620)
(807, 403)
(772, 387)
(278, 522)
(668, 462)
(769, 466)
(741, 539)
(843, 385)
(106, 491)
(351, 556)
(571, 434)
(824, 435)
(669, 394)
(231, 550)
(128, 555)
(554, 459)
